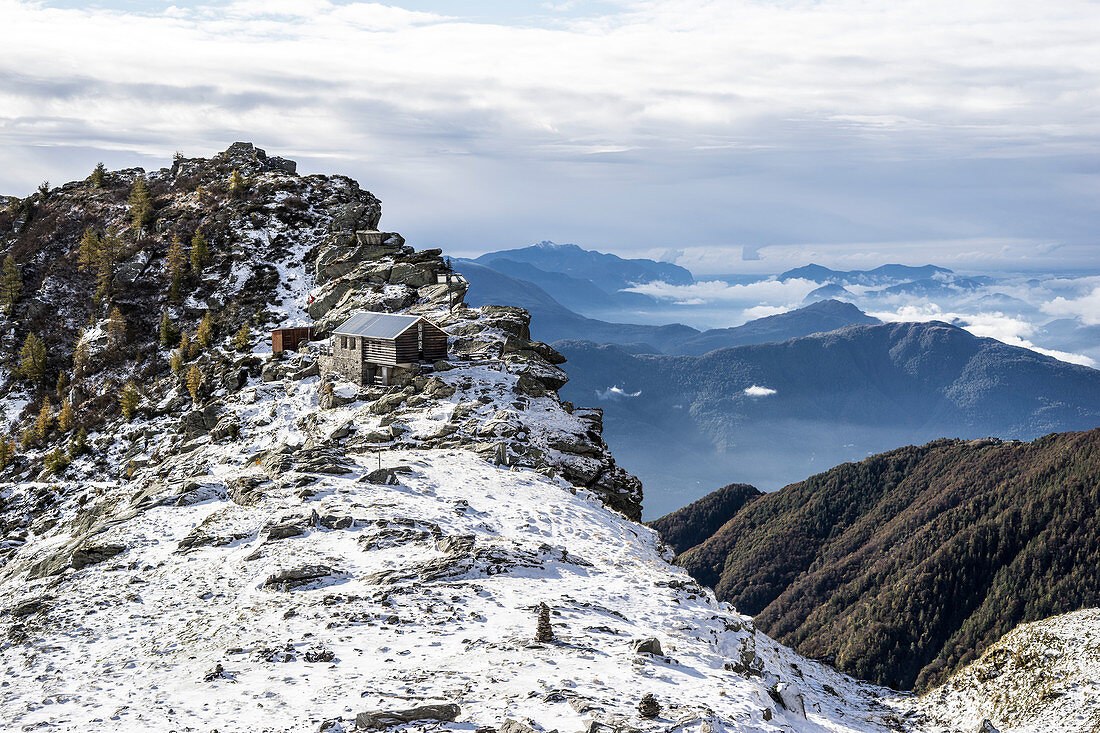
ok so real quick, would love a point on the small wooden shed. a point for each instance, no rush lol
(367, 345)
(288, 339)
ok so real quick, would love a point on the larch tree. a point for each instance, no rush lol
(116, 327)
(194, 382)
(169, 334)
(128, 401)
(204, 335)
(88, 253)
(236, 184)
(100, 254)
(81, 358)
(45, 420)
(200, 253)
(177, 262)
(66, 418)
(7, 451)
(99, 175)
(243, 338)
(32, 359)
(11, 284)
(141, 203)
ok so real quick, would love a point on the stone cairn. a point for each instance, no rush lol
(649, 708)
(544, 631)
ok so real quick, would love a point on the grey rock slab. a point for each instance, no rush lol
(378, 719)
(86, 555)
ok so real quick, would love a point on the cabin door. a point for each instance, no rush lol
(420, 341)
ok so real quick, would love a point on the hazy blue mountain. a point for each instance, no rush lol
(837, 396)
(883, 275)
(550, 320)
(936, 286)
(828, 291)
(1070, 334)
(578, 294)
(826, 315)
(609, 272)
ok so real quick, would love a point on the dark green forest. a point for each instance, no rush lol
(903, 567)
(681, 529)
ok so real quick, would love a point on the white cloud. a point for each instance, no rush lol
(762, 311)
(744, 123)
(1086, 307)
(1007, 329)
(616, 393)
(758, 391)
(764, 292)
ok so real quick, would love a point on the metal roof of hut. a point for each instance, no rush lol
(376, 325)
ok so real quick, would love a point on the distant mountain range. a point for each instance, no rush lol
(883, 275)
(607, 271)
(551, 320)
(772, 413)
(906, 566)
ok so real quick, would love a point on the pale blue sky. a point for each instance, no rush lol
(732, 136)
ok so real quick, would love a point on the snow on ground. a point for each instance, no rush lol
(1042, 676)
(425, 591)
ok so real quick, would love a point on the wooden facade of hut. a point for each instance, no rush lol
(288, 339)
(368, 345)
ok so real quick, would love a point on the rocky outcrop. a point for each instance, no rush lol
(88, 554)
(378, 719)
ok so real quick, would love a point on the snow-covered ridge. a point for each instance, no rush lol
(293, 552)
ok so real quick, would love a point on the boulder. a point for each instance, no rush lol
(387, 476)
(199, 421)
(245, 490)
(128, 273)
(649, 645)
(509, 319)
(542, 371)
(286, 580)
(343, 253)
(791, 698)
(227, 427)
(195, 493)
(378, 719)
(514, 726)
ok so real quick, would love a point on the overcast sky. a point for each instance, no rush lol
(735, 136)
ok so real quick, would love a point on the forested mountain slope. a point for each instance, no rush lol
(906, 566)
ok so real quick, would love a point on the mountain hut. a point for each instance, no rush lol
(368, 345)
